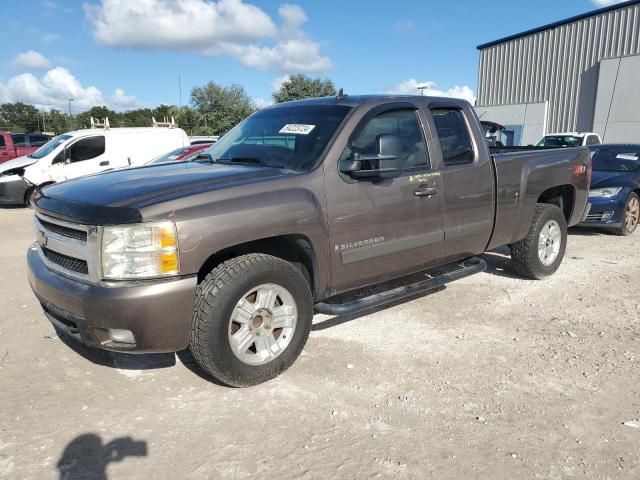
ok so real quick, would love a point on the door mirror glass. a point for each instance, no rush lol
(385, 145)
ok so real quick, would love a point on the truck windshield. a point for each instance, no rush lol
(291, 138)
(614, 159)
(560, 141)
(50, 146)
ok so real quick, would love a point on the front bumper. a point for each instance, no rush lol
(605, 212)
(12, 190)
(158, 313)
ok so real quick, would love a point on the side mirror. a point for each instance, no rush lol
(203, 157)
(384, 164)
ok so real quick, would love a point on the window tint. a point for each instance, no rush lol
(19, 139)
(2, 142)
(86, 149)
(38, 140)
(401, 123)
(454, 137)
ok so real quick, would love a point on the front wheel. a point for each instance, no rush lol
(540, 253)
(252, 318)
(631, 216)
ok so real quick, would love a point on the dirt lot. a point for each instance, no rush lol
(493, 377)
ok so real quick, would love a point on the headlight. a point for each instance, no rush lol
(605, 192)
(145, 250)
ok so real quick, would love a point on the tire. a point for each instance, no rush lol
(631, 216)
(219, 322)
(27, 196)
(526, 258)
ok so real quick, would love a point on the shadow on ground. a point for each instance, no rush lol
(87, 458)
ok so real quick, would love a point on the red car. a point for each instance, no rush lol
(14, 145)
(181, 154)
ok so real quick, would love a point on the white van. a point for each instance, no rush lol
(85, 152)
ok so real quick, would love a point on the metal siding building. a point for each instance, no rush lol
(559, 64)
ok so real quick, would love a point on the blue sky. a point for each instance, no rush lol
(127, 53)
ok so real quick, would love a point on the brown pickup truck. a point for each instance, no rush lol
(295, 210)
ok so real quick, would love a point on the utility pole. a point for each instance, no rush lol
(70, 100)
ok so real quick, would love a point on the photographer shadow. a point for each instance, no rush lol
(86, 458)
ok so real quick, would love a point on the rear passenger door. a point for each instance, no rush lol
(467, 176)
(85, 157)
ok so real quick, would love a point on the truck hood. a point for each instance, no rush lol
(116, 197)
(19, 162)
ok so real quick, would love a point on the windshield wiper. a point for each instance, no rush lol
(246, 161)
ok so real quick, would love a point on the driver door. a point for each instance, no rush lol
(384, 228)
(85, 157)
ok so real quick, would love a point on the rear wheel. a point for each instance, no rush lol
(540, 253)
(252, 318)
(631, 216)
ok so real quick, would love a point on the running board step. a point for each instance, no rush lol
(459, 270)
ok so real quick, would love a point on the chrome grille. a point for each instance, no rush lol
(64, 231)
(70, 249)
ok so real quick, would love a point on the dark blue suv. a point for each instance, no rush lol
(615, 188)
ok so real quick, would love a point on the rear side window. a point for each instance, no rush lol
(19, 139)
(2, 142)
(453, 133)
(86, 149)
(401, 123)
(38, 140)
(593, 140)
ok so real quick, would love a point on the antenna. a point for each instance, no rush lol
(340, 94)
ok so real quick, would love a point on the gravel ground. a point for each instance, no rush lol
(493, 377)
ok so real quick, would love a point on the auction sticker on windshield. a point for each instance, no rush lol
(297, 129)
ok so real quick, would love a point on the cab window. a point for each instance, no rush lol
(454, 137)
(86, 149)
(19, 139)
(403, 124)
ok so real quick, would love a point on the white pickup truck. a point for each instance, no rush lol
(569, 139)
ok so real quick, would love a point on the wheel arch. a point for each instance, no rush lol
(294, 248)
(562, 196)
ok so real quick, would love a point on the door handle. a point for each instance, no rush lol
(104, 163)
(425, 192)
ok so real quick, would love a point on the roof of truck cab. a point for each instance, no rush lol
(357, 100)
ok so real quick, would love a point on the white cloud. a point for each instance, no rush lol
(277, 82)
(606, 3)
(226, 27)
(50, 38)
(31, 60)
(262, 103)
(410, 87)
(55, 88)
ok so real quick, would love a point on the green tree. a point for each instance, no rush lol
(99, 113)
(19, 116)
(55, 121)
(220, 108)
(301, 86)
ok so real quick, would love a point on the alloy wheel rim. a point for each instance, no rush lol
(549, 243)
(262, 324)
(632, 214)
